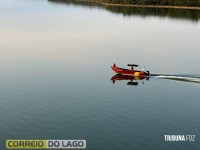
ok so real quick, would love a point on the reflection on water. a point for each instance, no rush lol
(132, 80)
(193, 15)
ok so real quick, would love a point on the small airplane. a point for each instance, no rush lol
(131, 72)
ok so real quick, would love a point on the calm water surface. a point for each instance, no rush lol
(55, 76)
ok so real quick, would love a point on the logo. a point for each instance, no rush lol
(45, 144)
(179, 138)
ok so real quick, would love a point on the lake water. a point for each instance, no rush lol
(55, 75)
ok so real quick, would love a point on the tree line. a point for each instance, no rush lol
(188, 14)
(194, 3)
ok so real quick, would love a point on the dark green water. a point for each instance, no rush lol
(55, 75)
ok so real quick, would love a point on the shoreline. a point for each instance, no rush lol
(151, 6)
(141, 6)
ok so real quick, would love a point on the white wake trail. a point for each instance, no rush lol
(179, 78)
